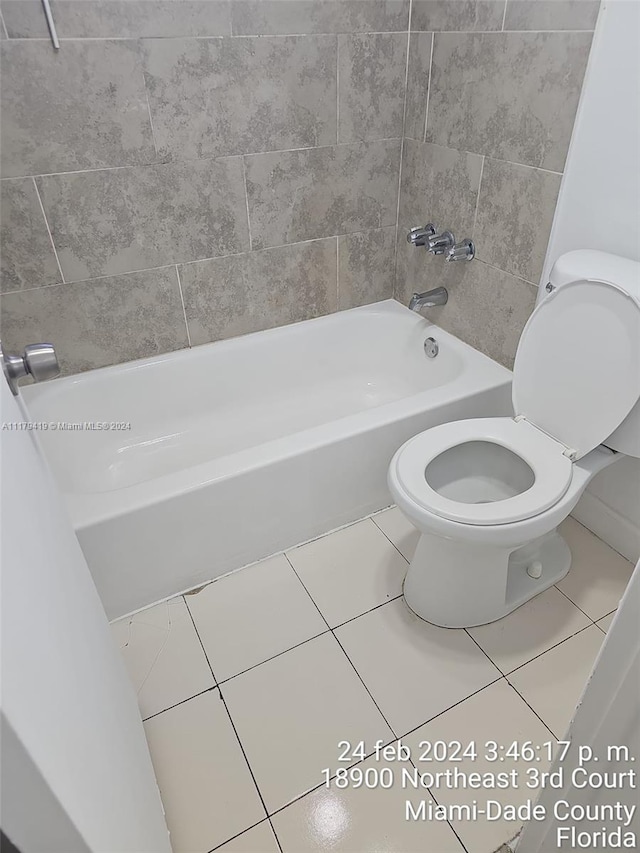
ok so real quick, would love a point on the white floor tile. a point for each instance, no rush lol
(205, 784)
(541, 623)
(496, 714)
(355, 820)
(260, 839)
(163, 656)
(291, 712)
(399, 530)
(605, 622)
(553, 683)
(598, 574)
(252, 615)
(350, 571)
(414, 670)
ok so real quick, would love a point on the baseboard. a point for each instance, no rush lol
(608, 525)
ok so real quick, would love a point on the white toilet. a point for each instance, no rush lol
(488, 494)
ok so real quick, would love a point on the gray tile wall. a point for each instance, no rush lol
(187, 170)
(493, 89)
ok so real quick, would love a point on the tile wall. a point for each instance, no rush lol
(187, 170)
(492, 93)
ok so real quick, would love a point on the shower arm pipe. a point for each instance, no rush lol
(51, 24)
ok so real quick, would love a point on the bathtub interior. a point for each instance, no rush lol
(186, 408)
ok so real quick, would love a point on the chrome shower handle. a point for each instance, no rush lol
(421, 235)
(441, 243)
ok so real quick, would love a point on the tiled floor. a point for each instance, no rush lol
(247, 686)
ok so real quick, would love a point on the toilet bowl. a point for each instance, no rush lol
(487, 494)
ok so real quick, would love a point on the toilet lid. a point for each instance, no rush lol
(577, 368)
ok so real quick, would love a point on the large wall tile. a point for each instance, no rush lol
(322, 192)
(95, 323)
(509, 95)
(417, 84)
(119, 18)
(487, 308)
(26, 254)
(280, 17)
(551, 14)
(211, 97)
(463, 15)
(83, 107)
(515, 213)
(366, 262)
(117, 220)
(232, 296)
(372, 72)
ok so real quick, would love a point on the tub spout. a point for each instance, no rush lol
(429, 299)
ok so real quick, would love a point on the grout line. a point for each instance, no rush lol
(213, 157)
(230, 19)
(233, 725)
(290, 35)
(181, 702)
(426, 113)
(195, 628)
(338, 273)
(362, 681)
(146, 95)
(551, 648)
(475, 213)
(238, 834)
(506, 272)
(246, 202)
(504, 15)
(521, 165)
(576, 605)
(337, 89)
(354, 142)
(533, 711)
(331, 779)
(53, 245)
(455, 704)
(307, 591)
(184, 310)
(275, 834)
(391, 541)
(277, 654)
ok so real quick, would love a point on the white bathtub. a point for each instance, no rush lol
(242, 448)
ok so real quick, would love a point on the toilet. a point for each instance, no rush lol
(487, 494)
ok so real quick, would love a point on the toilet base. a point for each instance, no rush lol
(459, 585)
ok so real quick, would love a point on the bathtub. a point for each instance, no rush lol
(226, 453)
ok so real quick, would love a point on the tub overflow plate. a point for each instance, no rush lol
(431, 347)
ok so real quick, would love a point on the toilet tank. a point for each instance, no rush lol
(588, 263)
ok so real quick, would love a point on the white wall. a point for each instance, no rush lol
(76, 771)
(599, 208)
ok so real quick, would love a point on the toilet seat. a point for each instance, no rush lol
(575, 379)
(545, 456)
